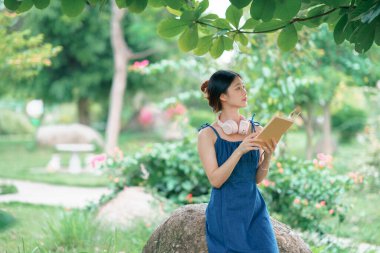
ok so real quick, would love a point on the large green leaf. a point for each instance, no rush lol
(12, 4)
(365, 38)
(242, 38)
(217, 48)
(233, 15)
(171, 27)
(41, 4)
(371, 14)
(156, 3)
(25, 6)
(201, 8)
(271, 25)
(263, 9)
(377, 34)
(240, 3)
(228, 43)
(189, 38)
(138, 6)
(313, 12)
(175, 4)
(204, 45)
(250, 24)
(222, 23)
(123, 3)
(287, 38)
(339, 35)
(286, 9)
(72, 8)
(208, 17)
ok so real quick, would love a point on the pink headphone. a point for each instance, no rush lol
(230, 126)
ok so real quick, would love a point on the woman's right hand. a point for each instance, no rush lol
(249, 143)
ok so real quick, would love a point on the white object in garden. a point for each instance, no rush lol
(75, 162)
(54, 163)
(35, 108)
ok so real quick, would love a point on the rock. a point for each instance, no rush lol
(68, 134)
(130, 204)
(184, 231)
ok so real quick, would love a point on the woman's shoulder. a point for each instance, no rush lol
(206, 132)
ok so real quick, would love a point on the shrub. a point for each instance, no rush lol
(303, 192)
(349, 121)
(14, 123)
(171, 168)
(7, 189)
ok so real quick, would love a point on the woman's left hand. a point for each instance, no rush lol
(268, 146)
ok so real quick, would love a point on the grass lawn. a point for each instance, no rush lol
(31, 230)
(20, 162)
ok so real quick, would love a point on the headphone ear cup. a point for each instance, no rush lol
(230, 127)
(244, 127)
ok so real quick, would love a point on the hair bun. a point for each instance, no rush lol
(204, 86)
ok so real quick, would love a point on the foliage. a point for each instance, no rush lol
(173, 169)
(7, 188)
(356, 21)
(6, 220)
(305, 192)
(14, 123)
(22, 55)
(349, 121)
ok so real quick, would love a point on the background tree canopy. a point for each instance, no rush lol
(357, 21)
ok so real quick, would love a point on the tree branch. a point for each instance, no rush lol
(142, 54)
(277, 28)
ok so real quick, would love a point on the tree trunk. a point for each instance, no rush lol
(119, 82)
(309, 131)
(83, 108)
(327, 136)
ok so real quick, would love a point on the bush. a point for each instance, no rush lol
(7, 189)
(349, 121)
(14, 123)
(303, 192)
(199, 117)
(173, 169)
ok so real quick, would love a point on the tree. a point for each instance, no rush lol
(22, 56)
(356, 21)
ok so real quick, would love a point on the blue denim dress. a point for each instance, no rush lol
(237, 219)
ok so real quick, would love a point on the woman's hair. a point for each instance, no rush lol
(217, 85)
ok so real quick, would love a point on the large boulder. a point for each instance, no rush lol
(131, 204)
(52, 135)
(184, 231)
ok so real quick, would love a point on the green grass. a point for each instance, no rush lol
(52, 229)
(19, 161)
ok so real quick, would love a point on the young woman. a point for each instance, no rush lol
(237, 219)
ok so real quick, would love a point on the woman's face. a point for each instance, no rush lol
(236, 93)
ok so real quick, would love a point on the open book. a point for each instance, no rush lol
(275, 128)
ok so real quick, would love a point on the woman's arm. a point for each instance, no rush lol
(206, 150)
(263, 167)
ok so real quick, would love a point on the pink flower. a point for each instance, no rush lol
(178, 109)
(281, 170)
(317, 205)
(145, 117)
(98, 160)
(322, 203)
(331, 211)
(140, 65)
(189, 197)
(296, 201)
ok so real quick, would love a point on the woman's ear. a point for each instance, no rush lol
(223, 97)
